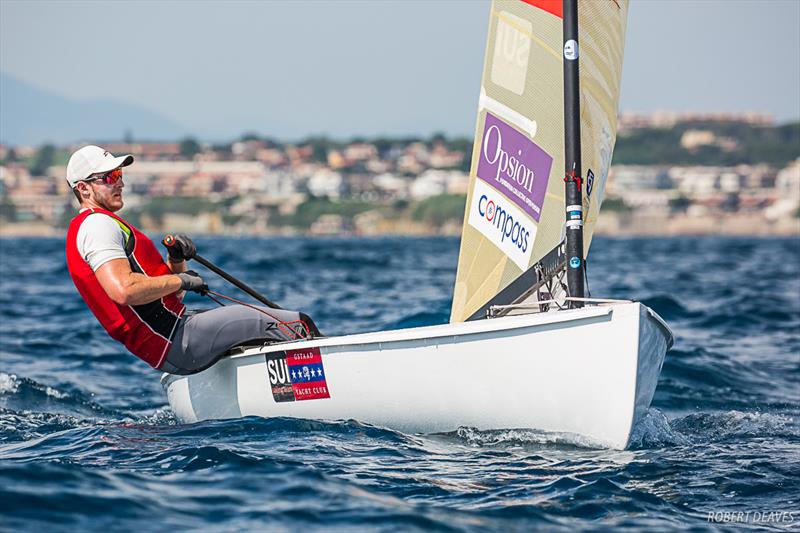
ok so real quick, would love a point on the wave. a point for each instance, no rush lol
(25, 394)
(26, 425)
(424, 318)
(669, 308)
(286, 426)
(518, 437)
(655, 430)
(706, 379)
(736, 425)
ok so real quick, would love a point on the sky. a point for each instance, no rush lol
(351, 68)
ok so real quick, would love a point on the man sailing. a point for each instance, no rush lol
(136, 296)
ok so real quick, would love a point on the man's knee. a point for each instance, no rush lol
(312, 327)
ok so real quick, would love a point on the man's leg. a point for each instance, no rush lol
(203, 338)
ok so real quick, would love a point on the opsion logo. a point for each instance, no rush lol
(500, 221)
(515, 165)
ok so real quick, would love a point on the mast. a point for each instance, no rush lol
(572, 155)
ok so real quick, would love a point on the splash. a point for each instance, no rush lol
(522, 437)
(654, 431)
(724, 425)
(9, 383)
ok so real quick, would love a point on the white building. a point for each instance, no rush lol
(787, 185)
(325, 182)
(731, 182)
(697, 181)
(392, 185)
(429, 183)
(635, 177)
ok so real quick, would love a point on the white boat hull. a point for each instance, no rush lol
(591, 372)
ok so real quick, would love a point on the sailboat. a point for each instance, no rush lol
(525, 347)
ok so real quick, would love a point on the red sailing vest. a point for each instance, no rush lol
(146, 330)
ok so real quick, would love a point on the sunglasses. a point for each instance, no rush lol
(109, 178)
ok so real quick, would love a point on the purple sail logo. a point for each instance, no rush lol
(514, 165)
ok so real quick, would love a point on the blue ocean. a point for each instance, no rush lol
(87, 441)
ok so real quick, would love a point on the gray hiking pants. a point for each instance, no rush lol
(203, 337)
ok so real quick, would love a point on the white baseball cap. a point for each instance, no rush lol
(92, 160)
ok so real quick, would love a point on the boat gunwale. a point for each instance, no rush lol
(439, 330)
(662, 324)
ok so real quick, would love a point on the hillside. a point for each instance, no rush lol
(704, 143)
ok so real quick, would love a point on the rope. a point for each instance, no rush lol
(214, 299)
(586, 277)
(534, 305)
(285, 327)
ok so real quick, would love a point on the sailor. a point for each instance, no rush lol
(137, 296)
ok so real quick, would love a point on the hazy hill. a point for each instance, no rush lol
(29, 115)
(734, 144)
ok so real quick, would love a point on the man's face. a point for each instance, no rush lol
(104, 194)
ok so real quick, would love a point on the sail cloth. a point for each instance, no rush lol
(515, 201)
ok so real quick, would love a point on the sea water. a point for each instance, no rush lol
(87, 441)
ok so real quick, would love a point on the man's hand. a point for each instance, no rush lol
(191, 281)
(182, 248)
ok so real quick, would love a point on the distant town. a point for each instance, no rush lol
(672, 174)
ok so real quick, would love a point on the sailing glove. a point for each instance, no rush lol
(182, 248)
(191, 281)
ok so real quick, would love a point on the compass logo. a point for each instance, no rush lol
(500, 221)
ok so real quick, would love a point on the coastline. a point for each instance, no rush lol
(608, 225)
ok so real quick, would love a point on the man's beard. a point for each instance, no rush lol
(113, 203)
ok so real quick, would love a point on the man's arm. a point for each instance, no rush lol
(126, 287)
(176, 266)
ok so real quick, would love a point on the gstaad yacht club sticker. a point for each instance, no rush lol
(296, 375)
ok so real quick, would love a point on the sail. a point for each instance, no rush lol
(515, 202)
